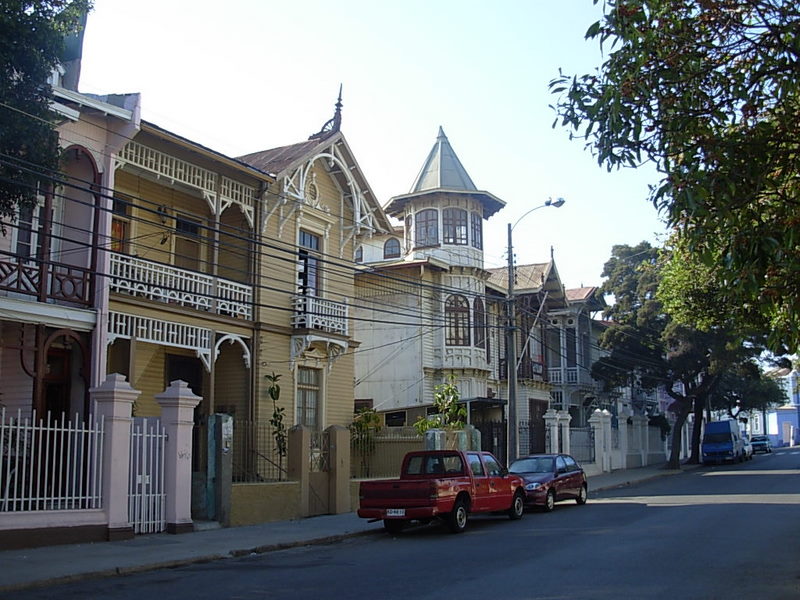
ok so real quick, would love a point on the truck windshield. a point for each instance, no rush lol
(717, 438)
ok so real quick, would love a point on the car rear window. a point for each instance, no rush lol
(437, 464)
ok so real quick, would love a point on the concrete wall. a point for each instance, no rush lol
(263, 502)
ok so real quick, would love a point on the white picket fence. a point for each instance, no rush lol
(147, 496)
(50, 463)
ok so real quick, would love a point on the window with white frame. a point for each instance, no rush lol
(454, 226)
(309, 276)
(427, 228)
(477, 231)
(391, 249)
(479, 323)
(308, 397)
(456, 318)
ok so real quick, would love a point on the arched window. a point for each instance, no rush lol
(427, 229)
(391, 249)
(477, 231)
(359, 257)
(456, 318)
(479, 323)
(454, 226)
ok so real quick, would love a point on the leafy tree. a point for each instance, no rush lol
(449, 413)
(744, 389)
(707, 91)
(648, 349)
(32, 44)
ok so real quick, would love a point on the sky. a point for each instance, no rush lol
(246, 75)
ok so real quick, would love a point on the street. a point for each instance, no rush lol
(714, 532)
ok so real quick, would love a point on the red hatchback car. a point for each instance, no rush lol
(550, 478)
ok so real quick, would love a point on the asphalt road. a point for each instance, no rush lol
(721, 532)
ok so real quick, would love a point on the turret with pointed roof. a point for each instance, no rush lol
(442, 172)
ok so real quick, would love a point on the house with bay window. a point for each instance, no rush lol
(427, 308)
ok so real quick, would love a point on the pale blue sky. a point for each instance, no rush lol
(246, 75)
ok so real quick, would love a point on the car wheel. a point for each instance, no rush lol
(394, 526)
(457, 518)
(550, 500)
(583, 495)
(517, 507)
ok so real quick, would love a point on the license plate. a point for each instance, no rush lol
(395, 512)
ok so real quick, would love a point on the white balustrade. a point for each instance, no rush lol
(311, 312)
(165, 283)
(172, 168)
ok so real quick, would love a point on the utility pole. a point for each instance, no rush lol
(511, 356)
(511, 340)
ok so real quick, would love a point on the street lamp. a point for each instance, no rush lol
(511, 344)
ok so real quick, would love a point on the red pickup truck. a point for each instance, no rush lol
(444, 484)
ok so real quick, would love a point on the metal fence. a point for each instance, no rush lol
(377, 453)
(257, 455)
(581, 444)
(50, 464)
(319, 452)
(147, 496)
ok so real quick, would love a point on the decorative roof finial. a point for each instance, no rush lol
(332, 125)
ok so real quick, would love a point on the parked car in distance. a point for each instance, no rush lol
(760, 443)
(550, 478)
(747, 447)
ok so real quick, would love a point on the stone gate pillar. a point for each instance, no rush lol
(564, 419)
(551, 425)
(177, 416)
(339, 482)
(114, 400)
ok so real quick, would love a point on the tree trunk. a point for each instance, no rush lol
(674, 461)
(699, 406)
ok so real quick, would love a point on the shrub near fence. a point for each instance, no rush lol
(379, 453)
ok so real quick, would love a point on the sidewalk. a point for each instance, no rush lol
(58, 564)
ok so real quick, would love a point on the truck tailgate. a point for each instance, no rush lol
(396, 493)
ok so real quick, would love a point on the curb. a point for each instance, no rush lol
(182, 562)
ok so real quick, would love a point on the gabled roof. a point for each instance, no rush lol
(329, 141)
(276, 160)
(442, 172)
(587, 296)
(530, 279)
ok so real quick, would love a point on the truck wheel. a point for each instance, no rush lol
(517, 507)
(550, 500)
(394, 526)
(457, 519)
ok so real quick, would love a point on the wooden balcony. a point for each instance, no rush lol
(165, 283)
(311, 312)
(47, 281)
